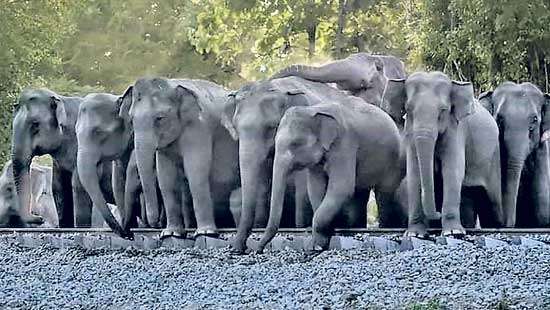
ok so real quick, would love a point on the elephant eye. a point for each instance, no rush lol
(35, 127)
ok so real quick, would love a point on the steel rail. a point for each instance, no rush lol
(339, 231)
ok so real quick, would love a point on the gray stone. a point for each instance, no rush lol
(204, 242)
(121, 243)
(96, 242)
(382, 244)
(177, 243)
(450, 241)
(298, 243)
(528, 242)
(411, 243)
(146, 242)
(490, 242)
(344, 243)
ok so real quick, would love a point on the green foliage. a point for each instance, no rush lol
(76, 47)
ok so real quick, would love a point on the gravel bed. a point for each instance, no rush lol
(439, 277)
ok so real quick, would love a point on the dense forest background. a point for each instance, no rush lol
(82, 46)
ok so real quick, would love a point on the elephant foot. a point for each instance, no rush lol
(320, 243)
(175, 232)
(32, 219)
(238, 246)
(417, 231)
(206, 232)
(456, 232)
(433, 216)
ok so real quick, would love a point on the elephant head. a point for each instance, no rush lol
(521, 113)
(159, 109)
(252, 116)
(303, 138)
(431, 104)
(39, 125)
(102, 135)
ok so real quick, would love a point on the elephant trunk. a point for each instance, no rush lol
(425, 146)
(21, 160)
(281, 167)
(87, 171)
(250, 160)
(512, 173)
(145, 155)
(330, 73)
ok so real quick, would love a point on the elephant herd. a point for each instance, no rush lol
(306, 147)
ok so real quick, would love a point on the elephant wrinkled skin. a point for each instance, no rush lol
(523, 117)
(348, 149)
(451, 145)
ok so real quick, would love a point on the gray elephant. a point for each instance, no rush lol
(521, 112)
(44, 123)
(41, 200)
(362, 74)
(253, 117)
(451, 144)
(348, 149)
(104, 136)
(179, 121)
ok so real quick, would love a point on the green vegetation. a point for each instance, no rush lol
(78, 46)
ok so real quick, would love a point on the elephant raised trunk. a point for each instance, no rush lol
(280, 172)
(145, 150)
(87, 171)
(425, 146)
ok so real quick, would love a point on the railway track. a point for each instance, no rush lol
(299, 239)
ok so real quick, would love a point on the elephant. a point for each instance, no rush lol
(452, 147)
(252, 117)
(41, 199)
(348, 149)
(362, 74)
(104, 134)
(44, 123)
(179, 121)
(521, 112)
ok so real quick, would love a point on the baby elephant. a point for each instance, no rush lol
(348, 149)
(42, 202)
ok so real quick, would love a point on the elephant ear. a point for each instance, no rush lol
(394, 98)
(58, 106)
(189, 102)
(328, 129)
(124, 104)
(462, 99)
(486, 100)
(228, 113)
(545, 122)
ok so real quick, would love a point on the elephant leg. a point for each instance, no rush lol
(541, 186)
(303, 213)
(197, 162)
(354, 212)
(390, 211)
(316, 186)
(119, 181)
(169, 173)
(82, 205)
(452, 170)
(491, 215)
(63, 196)
(132, 204)
(261, 213)
(468, 206)
(235, 205)
(340, 188)
(418, 224)
(187, 206)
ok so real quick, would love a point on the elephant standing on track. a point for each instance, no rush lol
(253, 117)
(523, 117)
(452, 144)
(348, 149)
(104, 136)
(44, 123)
(180, 122)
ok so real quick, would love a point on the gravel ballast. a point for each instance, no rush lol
(432, 277)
